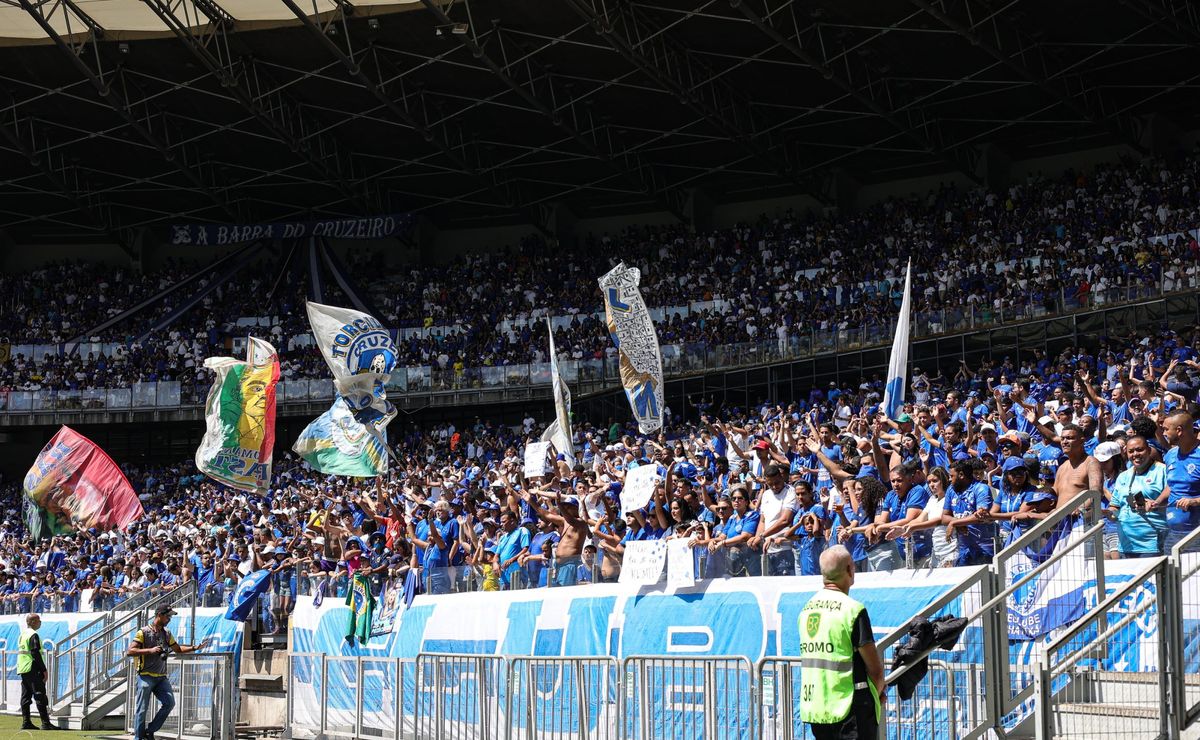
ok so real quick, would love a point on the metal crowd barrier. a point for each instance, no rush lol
(205, 688)
(1182, 633)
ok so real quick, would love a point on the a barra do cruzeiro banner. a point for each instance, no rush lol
(216, 235)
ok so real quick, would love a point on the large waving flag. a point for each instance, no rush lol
(897, 378)
(240, 418)
(361, 354)
(335, 443)
(1055, 596)
(74, 484)
(632, 331)
(559, 431)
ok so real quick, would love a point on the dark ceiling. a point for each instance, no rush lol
(605, 107)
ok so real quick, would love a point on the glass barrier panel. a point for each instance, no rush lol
(92, 399)
(67, 400)
(144, 394)
(42, 401)
(418, 378)
(536, 373)
(168, 393)
(119, 398)
(493, 377)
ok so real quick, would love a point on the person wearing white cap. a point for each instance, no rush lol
(1112, 462)
(1141, 525)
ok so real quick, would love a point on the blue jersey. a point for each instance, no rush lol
(974, 538)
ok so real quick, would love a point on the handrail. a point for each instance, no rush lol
(1108, 603)
(933, 607)
(1041, 528)
(69, 638)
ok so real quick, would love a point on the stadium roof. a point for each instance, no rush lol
(120, 114)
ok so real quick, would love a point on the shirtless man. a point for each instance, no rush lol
(1079, 472)
(572, 532)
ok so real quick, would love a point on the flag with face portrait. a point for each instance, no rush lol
(240, 418)
(361, 355)
(638, 353)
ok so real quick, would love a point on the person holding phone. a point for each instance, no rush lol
(149, 650)
(1141, 522)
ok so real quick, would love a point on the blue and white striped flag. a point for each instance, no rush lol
(897, 379)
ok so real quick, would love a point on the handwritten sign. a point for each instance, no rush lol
(639, 487)
(535, 459)
(643, 563)
(681, 563)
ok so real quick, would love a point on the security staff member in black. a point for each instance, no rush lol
(32, 668)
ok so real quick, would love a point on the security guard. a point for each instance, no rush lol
(841, 674)
(32, 668)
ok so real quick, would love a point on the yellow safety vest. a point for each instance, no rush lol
(25, 652)
(827, 658)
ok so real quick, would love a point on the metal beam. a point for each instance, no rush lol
(114, 87)
(1003, 41)
(696, 85)
(855, 76)
(1180, 18)
(206, 31)
(72, 184)
(408, 110)
(533, 83)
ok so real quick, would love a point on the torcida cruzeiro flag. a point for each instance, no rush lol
(240, 417)
(361, 355)
(73, 484)
(633, 333)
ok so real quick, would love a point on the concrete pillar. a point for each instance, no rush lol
(994, 168)
(844, 189)
(562, 223)
(699, 210)
(1160, 135)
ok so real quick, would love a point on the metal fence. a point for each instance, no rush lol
(1084, 687)
(206, 697)
(1113, 667)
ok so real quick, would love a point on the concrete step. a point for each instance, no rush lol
(1113, 687)
(261, 682)
(1089, 721)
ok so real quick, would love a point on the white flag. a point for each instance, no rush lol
(897, 378)
(559, 431)
(360, 353)
(638, 352)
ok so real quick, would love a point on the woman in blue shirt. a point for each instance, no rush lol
(875, 505)
(1141, 529)
(809, 526)
(1011, 494)
(740, 527)
(847, 514)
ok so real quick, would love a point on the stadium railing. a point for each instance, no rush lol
(93, 661)
(1083, 685)
(678, 359)
(1183, 630)
(984, 683)
(205, 687)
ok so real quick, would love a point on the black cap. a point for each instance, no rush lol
(165, 610)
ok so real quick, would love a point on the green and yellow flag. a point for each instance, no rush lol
(240, 417)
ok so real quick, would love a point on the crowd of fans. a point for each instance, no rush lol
(1047, 244)
(977, 457)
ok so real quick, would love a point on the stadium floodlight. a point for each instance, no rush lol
(459, 29)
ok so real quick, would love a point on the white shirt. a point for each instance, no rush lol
(943, 549)
(770, 504)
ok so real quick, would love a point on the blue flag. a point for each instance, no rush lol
(247, 593)
(897, 378)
